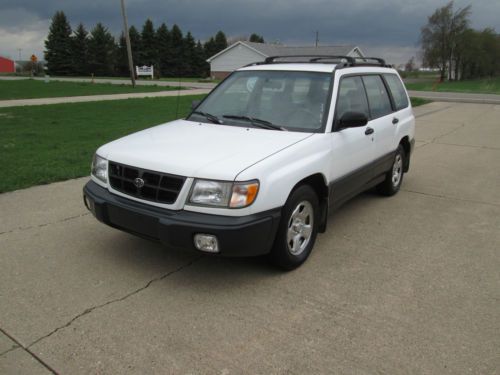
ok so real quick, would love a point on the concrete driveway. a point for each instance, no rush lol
(409, 284)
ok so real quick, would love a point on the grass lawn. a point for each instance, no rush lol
(30, 89)
(484, 86)
(415, 102)
(48, 143)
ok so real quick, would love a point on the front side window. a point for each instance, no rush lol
(292, 100)
(397, 90)
(378, 98)
(351, 97)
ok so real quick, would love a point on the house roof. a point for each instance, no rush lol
(267, 50)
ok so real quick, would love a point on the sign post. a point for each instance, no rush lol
(34, 60)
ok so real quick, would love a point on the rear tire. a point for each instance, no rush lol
(394, 177)
(297, 229)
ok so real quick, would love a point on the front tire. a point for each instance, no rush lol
(297, 230)
(394, 177)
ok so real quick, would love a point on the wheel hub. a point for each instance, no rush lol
(300, 228)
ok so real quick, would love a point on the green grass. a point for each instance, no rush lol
(44, 144)
(30, 89)
(484, 86)
(415, 102)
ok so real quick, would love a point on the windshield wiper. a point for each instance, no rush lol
(256, 122)
(209, 116)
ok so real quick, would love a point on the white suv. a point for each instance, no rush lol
(261, 161)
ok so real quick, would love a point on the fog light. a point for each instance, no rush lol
(206, 242)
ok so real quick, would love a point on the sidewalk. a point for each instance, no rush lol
(98, 98)
(194, 85)
(457, 97)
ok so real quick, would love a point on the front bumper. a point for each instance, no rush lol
(238, 236)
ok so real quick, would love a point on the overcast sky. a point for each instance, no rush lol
(388, 29)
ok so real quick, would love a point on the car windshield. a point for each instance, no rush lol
(275, 100)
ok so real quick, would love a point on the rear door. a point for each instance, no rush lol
(381, 114)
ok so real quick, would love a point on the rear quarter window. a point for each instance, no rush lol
(397, 90)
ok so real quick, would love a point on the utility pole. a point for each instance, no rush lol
(19, 49)
(129, 47)
(317, 38)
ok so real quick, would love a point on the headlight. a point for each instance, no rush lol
(224, 194)
(100, 168)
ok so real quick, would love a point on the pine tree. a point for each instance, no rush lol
(58, 46)
(148, 53)
(188, 52)
(256, 38)
(210, 48)
(202, 68)
(79, 50)
(164, 50)
(121, 57)
(101, 51)
(135, 44)
(220, 41)
(177, 48)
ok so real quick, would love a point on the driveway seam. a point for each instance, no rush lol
(27, 350)
(130, 294)
(452, 198)
(433, 111)
(44, 224)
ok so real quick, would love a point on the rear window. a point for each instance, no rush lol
(397, 90)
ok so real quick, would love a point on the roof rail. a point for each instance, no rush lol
(344, 61)
(309, 58)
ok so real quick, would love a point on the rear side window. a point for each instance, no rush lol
(352, 97)
(378, 98)
(397, 90)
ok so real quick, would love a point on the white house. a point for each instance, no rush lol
(242, 53)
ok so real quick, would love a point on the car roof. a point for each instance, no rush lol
(318, 67)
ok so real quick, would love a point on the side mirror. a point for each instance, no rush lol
(195, 103)
(353, 120)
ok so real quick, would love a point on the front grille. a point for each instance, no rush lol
(158, 187)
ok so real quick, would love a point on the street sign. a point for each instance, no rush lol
(33, 58)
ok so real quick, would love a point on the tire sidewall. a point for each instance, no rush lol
(401, 152)
(280, 253)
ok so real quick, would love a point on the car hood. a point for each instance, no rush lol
(194, 149)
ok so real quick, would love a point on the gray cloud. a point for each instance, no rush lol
(391, 27)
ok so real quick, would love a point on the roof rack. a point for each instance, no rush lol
(345, 61)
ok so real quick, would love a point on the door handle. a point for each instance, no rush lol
(395, 120)
(369, 131)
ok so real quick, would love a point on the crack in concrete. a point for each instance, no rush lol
(452, 198)
(9, 350)
(27, 350)
(45, 224)
(130, 294)
(472, 146)
(433, 111)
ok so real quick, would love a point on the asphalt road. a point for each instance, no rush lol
(401, 285)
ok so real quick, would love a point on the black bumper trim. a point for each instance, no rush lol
(238, 236)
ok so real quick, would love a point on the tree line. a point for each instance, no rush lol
(458, 51)
(173, 54)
